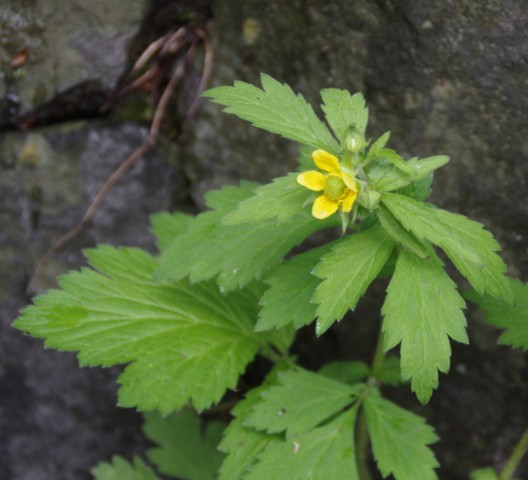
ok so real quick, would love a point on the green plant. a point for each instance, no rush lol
(227, 287)
(513, 319)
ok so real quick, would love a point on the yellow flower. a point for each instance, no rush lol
(339, 188)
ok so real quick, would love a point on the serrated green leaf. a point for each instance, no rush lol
(235, 254)
(183, 342)
(291, 288)
(419, 190)
(167, 226)
(345, 371)
(186, 450)
(377, 147)
(484, 474)
(249, 251)
(300, 402)
(126, 264)
(343, 110)
(282, 199)
(277, 109)
(120, 469)
(422, 310)
(226, 198)
(400, 235)
(397, 160)
(243, 445)
(327, 452)
(469, 246)
(384, 177)
(400, 440)
(346, 273)
(512, 318)
(390, 372)
(189, 252)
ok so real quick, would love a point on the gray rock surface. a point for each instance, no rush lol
(445, 77)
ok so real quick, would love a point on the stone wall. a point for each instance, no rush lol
(446, 77)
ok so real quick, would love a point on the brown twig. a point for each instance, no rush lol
(138, 82)
(149, 52)
(167, 93)
(161, 108)
(206, 74)
(173, 44)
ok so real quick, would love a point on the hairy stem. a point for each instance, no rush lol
(517, 455)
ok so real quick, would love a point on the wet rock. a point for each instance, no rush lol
(67, 43)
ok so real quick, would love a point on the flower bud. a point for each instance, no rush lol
(354, 141)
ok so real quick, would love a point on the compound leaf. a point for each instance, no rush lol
(167, 226)
(277, 109)
(326, 452)
(120, 469)
(400, 440)
(291, 288)
(124, 264)
(243, 445)
(281, 199)
(385, 177)
(419, 190)
(422, 310)
(512, 318)
(185, 449)
(469, 246)
(188, 254)
(182, 342)
(377, 147)
(399, 234)
(236, 254)
(343, 110)
(346, 273)
(300, 402)
(397, 161)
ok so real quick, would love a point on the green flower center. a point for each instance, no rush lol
(334, 187)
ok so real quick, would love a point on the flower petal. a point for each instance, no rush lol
(326, 161)
(312, 180)
(349, 181)
(348, 201)
(323, 207)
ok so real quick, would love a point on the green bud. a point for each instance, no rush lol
(354, 141)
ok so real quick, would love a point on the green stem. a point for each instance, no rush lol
(362, 448)
(362, 438)
(379, 358)
(517, 455)
(275, 356)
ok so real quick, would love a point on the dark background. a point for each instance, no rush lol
(447, 77)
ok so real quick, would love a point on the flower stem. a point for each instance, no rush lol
(517, 455)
